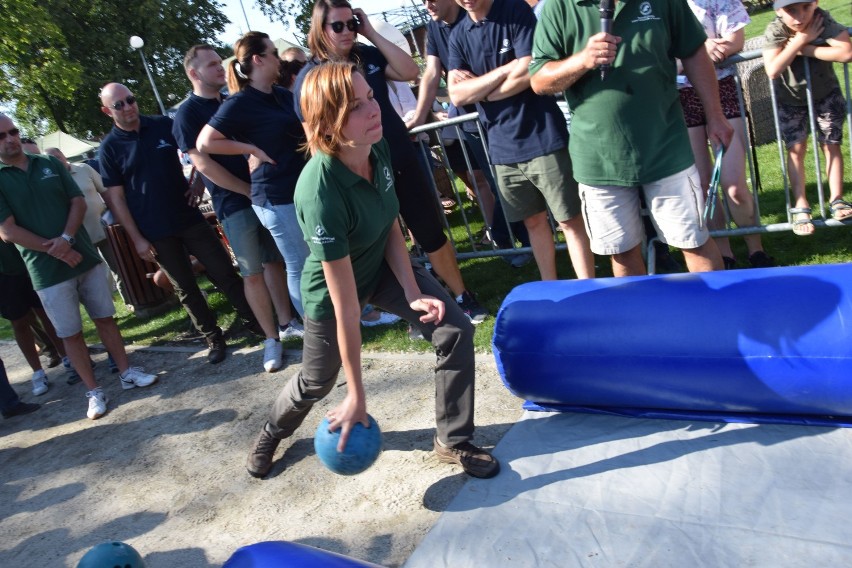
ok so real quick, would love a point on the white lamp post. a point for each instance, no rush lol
(138, 43)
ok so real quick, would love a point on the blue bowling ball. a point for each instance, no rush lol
(362, 448)
(111, 555)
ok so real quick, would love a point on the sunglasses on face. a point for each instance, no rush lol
(351, 25)
(119, 105)
(13, 133)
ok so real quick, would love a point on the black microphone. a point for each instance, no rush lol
(607, 9)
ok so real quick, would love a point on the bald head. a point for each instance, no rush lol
(57, 153)
(11, 151)
(119, 104)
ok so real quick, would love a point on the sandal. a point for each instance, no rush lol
(448, 204)
(840, 209)
(801, 220)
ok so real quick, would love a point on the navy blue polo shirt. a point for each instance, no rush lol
(146, 163)
(191, 117)
(438, 45)
(266, 120)
(523, 126)
(373, 64)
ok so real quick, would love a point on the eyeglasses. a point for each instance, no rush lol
(119, 105)
(351, 25)
(13, 133)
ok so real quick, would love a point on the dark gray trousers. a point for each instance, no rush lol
(454, 369)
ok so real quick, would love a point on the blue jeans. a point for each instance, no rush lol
(8, 397)
(284, 227)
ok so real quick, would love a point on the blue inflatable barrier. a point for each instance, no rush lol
(757, 342)
(282, 554)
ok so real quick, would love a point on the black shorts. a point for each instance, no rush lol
(17, 296)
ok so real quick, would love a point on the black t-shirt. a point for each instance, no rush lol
(191, 117)
(146, 163)
(268, 121)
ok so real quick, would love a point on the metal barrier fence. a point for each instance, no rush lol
(475, 248)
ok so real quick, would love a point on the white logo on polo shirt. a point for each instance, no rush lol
(47, 173)
(388, 178)
(646, 13)
(507, 46)
(371, 69)
(320, 236)
(163, 144)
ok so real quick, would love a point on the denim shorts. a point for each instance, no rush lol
(62, 301)
(251, 242)
(613, 214)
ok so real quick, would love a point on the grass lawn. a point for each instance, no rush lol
(492, 279)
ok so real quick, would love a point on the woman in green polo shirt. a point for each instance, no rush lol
(347, 209)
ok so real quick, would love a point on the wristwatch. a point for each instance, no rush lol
(68, 238)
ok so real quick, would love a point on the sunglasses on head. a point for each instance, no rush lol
(351, 25)
(13, 133)
(119, 105)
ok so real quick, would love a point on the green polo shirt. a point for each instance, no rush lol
(628, 129)
(342, 214)
(39, 199)
(791, 86)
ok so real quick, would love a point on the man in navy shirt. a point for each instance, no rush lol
(445, 15)
(490, 50)
(229, 182)
(147, 193)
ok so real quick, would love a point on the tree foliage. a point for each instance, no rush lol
(287, 11)
(55, 55)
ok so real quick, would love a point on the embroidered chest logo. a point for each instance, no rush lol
(320, 237)
(47, 173)
(388, 179)
(163, 144)
(646, 13)
(507, 46)
(371, 69)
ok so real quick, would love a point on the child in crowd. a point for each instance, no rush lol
(802, 30)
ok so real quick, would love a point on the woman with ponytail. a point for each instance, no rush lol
(258, 120)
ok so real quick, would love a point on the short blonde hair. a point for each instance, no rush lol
(327, 98)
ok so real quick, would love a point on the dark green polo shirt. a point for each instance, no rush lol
(39, 199)
(628, 129)
(342, 214)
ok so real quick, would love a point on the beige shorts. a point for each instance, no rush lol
(613, 214)
(62, 301)
(527, 188)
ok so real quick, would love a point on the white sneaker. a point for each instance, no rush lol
(40, 383)
(136, 377)
(293, 329)
(272, 351)
(97, 403)
(385, 318)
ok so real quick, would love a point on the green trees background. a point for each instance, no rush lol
(55, 55)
